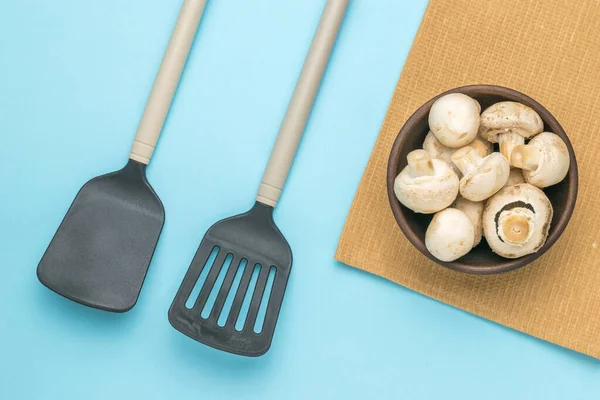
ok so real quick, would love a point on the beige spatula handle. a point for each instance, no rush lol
(296, 116)
(167, 80)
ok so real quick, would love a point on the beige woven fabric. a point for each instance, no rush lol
(549, 50)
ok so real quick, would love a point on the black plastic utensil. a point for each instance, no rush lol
(251, 242)
(101, 252)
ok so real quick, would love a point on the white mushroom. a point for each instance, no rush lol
(454, 119)
(450, 235)
(482, 177)
(509, 123)
(426, 185)
(515, 177)
(516, 220)
(436, 149)
(474, 210)
(544, 160)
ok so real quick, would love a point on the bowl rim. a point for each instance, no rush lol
(508, 264)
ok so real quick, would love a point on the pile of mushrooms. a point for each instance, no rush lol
(475, 192)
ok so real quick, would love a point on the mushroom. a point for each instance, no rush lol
(426, 185)
(454, 119)
(509, 123)
(544, 160)
(516, 220)
(515, 177)
(450, 235)
(482, 176)
(436, 149)
(474, 210)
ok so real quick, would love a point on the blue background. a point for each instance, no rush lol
(74, 76)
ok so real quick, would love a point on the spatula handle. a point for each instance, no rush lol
(167, 80)
(296, 116)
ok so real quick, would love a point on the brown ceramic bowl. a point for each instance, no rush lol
(481, 260)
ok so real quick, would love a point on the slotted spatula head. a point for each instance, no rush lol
(245, 243)
(101, 252)
(251, 241)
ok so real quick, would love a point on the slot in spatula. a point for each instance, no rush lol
(252, 242)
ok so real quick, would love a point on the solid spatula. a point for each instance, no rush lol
(101, 251)
(249, 246)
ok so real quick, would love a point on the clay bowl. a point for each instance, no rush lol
(481, 260)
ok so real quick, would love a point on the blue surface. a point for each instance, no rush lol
(74, 76)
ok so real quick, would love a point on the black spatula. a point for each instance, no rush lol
(250, 245)
(101, 252)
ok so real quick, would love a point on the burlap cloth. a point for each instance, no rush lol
(549, 50)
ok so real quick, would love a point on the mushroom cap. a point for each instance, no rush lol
(485, 180)
(509, 116)
(454, 119)
(554, 161)
(450, 235)
(436, 149)
(427, 194)
(516, 220)
(474, 210)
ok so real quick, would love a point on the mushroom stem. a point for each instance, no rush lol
(480, 147)
(516, 226)
(526, 157)
(508, 141)
(466, 159)
(419, 163)
(516, 229)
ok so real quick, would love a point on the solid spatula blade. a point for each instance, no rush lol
(101, 252)
(254, 237)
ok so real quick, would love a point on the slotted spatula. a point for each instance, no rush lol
(252, 242)
(101, 252)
